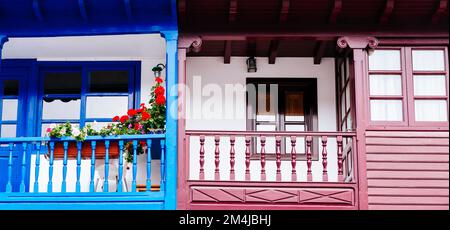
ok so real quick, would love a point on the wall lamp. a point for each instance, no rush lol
(251, 65)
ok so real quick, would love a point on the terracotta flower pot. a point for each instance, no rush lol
(86, 150)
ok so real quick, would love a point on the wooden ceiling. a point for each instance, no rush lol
(303, 28)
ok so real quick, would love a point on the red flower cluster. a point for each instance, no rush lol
(159, 92)
(159, 80)
(124, 119)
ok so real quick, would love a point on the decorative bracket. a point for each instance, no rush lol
(357, 42)
(190, 43)
(3, 40)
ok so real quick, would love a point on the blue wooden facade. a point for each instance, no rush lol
(34, 18)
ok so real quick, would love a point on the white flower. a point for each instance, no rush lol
(76, 132)
(53, 125)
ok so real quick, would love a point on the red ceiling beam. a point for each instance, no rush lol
(232, 11)
(284, 12)
(273, 51)
(319, 51)
(227, 53)
(440, 11)
(335, 11)
(387, 12)
(182, 11)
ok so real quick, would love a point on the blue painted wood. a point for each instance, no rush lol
(37, 11)
(10, 164)
(3, 40)
(91, 182)
(106, 184)
(88, 138)
(78, 184)
(120, 183)
(171, 145)
(24, 165)
(65, 18)
(162, 165)
(64, 169)
(133, 183)
(149, 164)
(37, 167)
(50, 168)
(128, 11)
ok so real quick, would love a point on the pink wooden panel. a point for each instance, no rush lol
(407, 166)
(408, 207)
(404, 157)
(407, 200)
(406, 149)
(409, 191)
(407, 141)
(407, 175)
(271, 195)
(218, 195)
(399, 183)
(407, 134)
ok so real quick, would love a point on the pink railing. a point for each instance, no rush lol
(256, 142)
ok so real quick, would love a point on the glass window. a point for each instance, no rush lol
(62, 83)
(294, 110)
(430, 85)
(430, 110)
(108, 81)
(428, 60)
(9, 130)
(386, 110)
(385, 85)
(10, 88)
(385, 60)
(106, 106)
(67, 108)
(9, 109)
(266, 106)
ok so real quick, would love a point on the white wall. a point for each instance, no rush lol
(149, 49)
(212, 70)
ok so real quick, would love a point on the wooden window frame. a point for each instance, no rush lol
(311, 117)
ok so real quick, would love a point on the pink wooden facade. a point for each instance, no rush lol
(386, 165)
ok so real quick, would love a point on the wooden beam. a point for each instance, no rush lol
(251, 47)
(440, 11)
(319, 51)
(83, 11)
(182, 11)
(127, 7)
(37, 10)
(335, 11)
(273, 50)
(284, 12)
(387, 12)
(233, 11)
(227, 53)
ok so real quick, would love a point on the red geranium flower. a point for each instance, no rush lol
(142, 105)
(145, 116)
(116, 118)
(160, 99)
(159, 90)
(131, 112)
(137, 126)
(159, 80)
(124, 118)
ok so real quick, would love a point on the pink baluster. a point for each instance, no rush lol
(308, 157)
(324, 158)
(278, 161)
(202, 157)
(263, 158)
(293, 158)
(340, 159)
(232, 161)
(247, 158)
(217, 158)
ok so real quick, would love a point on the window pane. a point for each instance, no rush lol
(294, 109)
(61, 109)
(347, 98)
(385, 60)
(385, 85)
(386, 110)
(9, 112)
(430, 110)
(429, 85)
(108, 81)
(266, 105)
(428, 59)
(349, 122)
(106, 107)
(62, 83)
(11, 88)
(343, 106)
(347, 68)
(342, 75)
(8, 131)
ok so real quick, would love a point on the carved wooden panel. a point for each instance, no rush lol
(316, 196)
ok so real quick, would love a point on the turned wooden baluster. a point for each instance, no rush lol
(202, 157)
(78, 183)
(293, 159)
(120, 183)
(247, 158)
(217, 158)
(340, 159)
(232, 160)
(263, 158)
(324, 158)
(106, 182)
(50, 167)
(278, 160)
(308, 158)
(91, 182)
(64, 169)
(10, 164)
(134, 165)
(37, 166)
